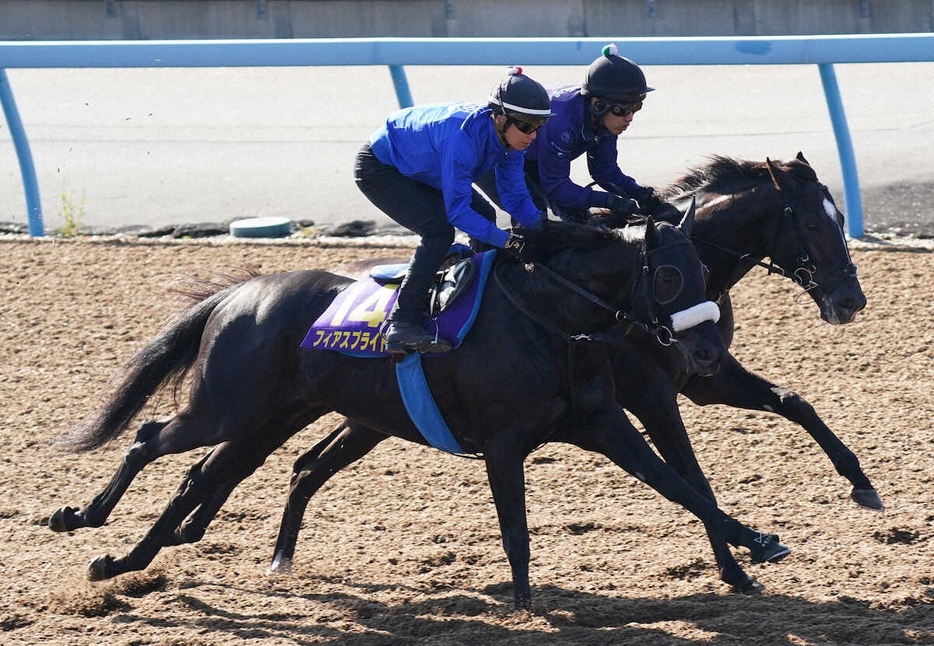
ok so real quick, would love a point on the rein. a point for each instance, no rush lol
(627, 319)
(572, 340)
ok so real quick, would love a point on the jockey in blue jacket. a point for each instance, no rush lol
(419, 168)
(588, 121)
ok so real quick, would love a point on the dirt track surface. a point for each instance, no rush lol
(404, 547)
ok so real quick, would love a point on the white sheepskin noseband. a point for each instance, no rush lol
(686, 319)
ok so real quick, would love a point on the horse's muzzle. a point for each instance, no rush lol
(841, 306)
(702, 347)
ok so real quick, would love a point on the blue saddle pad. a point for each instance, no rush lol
(353, 321)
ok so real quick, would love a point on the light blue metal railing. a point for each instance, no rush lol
(823, 51)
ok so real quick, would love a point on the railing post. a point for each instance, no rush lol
(402, 86)
(854, 202)
(21, 144)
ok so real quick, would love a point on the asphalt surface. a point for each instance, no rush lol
(157, 148)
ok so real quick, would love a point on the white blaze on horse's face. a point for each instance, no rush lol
(830, 210)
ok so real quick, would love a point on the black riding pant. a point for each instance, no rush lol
(419, 208)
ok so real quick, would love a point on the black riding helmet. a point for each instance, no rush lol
(614, 78)
(519, 97)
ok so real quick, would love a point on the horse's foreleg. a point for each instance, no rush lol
(735, 386)
(140, 454)
(662, 421)
(506, 474)
(346, 444)
(612, 434)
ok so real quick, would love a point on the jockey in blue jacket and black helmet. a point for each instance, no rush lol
(419, 168)
(588, 120)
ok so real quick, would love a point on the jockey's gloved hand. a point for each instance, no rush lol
(620, 205)
(651, 204)
(647, 198)
(520, 247)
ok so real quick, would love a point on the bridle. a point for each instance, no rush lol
(803, 272)
(626, 321)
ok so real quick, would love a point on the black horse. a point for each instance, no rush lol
(746, 211)
(531, 371)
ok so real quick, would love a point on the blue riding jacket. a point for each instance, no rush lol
(449, 147)
(564, 138)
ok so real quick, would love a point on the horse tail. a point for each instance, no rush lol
(168, 357)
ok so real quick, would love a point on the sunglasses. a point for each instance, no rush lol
(527, 127)
(624, 109)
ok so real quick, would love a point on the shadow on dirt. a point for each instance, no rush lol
(560, 617)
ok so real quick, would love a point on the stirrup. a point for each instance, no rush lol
(420, 339)
(438, 345)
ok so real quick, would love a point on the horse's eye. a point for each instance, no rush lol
(667, 284)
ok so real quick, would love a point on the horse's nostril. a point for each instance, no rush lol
(854, 304)
(706, 357)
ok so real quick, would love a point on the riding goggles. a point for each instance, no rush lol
(526, 127)
(624, 109)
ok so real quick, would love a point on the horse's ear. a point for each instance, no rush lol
(775, 173)
(800, 158)
(687, 222)
(652, 237)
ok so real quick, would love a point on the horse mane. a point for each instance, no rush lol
(724, 175)
(554, 236)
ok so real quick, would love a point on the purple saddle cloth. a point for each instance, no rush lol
(353, 322)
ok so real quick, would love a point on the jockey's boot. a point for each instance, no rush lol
(405, 332)
(403, 336)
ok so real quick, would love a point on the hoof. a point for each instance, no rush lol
(867, 498)
(63, 519)
(280, 566)
(767, 549)
(749, 587)
(100, 568)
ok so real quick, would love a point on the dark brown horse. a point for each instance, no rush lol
(746, 212)
(532, 370)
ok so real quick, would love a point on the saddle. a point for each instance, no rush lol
(455, 276)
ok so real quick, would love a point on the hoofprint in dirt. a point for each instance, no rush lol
(404, 546)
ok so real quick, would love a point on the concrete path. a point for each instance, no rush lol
(167, 146)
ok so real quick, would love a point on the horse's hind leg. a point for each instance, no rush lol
(192, 529)
(346, 444)
(735, 386)
(227, 463)
(140, 454)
